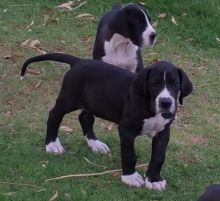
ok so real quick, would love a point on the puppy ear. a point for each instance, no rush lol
(119, 23)
(141, 82)
(186, 86)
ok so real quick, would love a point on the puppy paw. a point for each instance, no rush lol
(135, 180)
(160, 185)
(55, 147)
(97, 146)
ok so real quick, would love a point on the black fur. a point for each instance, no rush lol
(117, 95)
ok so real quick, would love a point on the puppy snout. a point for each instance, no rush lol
(165, 103)
(152, 36)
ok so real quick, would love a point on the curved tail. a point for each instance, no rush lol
(60, 57)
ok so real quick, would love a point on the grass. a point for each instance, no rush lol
(192, 161)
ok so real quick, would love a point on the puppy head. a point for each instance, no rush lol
(133, 22)
(161, 84)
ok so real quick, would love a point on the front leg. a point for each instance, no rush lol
(153, 179)
(128, 159)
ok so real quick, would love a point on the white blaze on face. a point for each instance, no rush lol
(165, 94)
(147, 32)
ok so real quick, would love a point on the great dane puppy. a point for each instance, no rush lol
(120, 34)
(142, 104)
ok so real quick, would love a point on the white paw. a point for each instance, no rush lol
(135, 180)
(55, 147)
(160, 185)
(97, 146)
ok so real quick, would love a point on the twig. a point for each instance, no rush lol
(90, 174)
(20, 184)
(203, 85)
(84, 2)
(90, 162)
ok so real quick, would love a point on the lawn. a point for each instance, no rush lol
(192, 161)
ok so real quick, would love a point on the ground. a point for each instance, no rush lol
(188, 35)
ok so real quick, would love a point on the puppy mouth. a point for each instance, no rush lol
(167, 115)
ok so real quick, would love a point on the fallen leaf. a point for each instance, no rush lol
(142, 3)
(217, 39)
(33, 72)
(173, 20)
(30, 25)
(9, 193)
(183, 14)
(66, 129)
(7, 56)
(38, 84)
(11, 102)
(33, 44)
(199, 140)
(162, 15)
(25, 42)
(86, 16)
(67, 5)
(155, 24)
(54, 197)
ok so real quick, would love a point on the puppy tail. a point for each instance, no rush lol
(64, 58)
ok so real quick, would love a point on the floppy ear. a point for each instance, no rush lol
(141, 82)
(186, 86)
(119, 23)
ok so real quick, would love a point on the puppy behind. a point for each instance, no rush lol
(120, 34)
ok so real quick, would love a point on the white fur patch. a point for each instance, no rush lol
(147, 32)
(160, 185)
(120, 51)
(55, 147)
(154, 125)
(135, 180)
(97, 146)
(165, 94)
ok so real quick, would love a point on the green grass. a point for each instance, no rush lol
(192, 161)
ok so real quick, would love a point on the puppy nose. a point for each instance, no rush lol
(153, 36)
(165, 103)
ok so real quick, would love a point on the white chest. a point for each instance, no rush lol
(120, 51)
(154, 125)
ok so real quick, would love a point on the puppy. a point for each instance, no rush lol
(212, 193)
(142, 104)
(121, 33)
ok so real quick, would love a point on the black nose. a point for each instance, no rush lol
(153, 36)
(165, 103)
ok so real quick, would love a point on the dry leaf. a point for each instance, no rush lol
(38, 84)
(155, 24)
(142, 3)
(33, 72)
(30, 25)
(7, 56)
(25, 42)
(67, 5)
(54, 197)
(33, 44)
(217, 39)
(66, 129)
(173, 20)
(162, 15)
(86, 16)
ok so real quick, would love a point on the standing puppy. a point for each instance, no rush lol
(121, 33)
(140, 104)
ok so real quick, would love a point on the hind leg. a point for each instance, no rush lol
(56, 115)
(86, 121)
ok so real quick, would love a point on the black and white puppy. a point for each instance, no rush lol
(142, 104)
(121, 33)
(212, 193)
